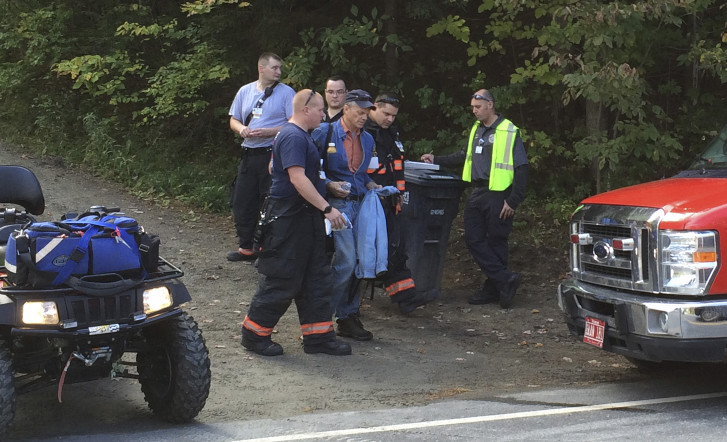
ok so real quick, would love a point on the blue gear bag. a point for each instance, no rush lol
(47, 254)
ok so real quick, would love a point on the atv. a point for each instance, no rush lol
(52, 336)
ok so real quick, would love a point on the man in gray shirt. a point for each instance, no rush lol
(257, 113)
(496, 165)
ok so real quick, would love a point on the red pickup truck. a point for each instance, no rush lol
(647, 280)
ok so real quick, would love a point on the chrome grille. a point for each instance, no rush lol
(607, 231)
(598, 262)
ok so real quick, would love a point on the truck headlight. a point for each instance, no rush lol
(688, 260)
(40, 312)
(157, 298)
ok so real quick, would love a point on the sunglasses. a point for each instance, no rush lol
(357, 97)
(312, 92)
(480, 97)
(389, 100)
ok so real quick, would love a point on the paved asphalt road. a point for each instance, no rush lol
(688, 406)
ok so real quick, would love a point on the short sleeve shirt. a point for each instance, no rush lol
(294, 147)
(274, 112)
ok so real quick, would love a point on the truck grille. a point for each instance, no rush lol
(607, 231)
(597, 261)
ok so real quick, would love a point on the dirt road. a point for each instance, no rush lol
(446, 349)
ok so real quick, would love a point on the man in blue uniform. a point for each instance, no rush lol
(292, 257)
(497, 166)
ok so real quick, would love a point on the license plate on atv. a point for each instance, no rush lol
(103, 329)
(595, 331)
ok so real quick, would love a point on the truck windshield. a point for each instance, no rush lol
(715, 155)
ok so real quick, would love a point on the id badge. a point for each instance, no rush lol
(322, 172)
(400, 145)
(374, 163)
(478, 149)
(257, 112)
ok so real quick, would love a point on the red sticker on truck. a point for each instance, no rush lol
(595, 331)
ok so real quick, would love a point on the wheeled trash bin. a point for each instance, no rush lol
(429, 205)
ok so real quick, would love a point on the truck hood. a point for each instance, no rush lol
(684, 197)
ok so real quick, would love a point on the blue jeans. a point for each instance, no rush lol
(344, 284)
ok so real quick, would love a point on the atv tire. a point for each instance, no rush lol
(7, 389)
(174, 371)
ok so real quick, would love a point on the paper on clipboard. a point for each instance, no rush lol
(411, 165)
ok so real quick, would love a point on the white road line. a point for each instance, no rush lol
(477, 419)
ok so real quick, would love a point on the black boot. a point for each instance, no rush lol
(264, 348)
(352, 327)
(488, 294)
(417, 299)
(333, 347)
(508, 289)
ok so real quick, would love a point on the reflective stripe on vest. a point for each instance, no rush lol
(502, 171)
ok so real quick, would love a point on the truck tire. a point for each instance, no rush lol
(7, 389)
(174, 371)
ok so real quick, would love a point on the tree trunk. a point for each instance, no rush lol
(595, 125)
(695, 63)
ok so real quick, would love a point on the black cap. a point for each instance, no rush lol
(361, 98)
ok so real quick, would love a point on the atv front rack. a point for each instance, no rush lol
(165, 270)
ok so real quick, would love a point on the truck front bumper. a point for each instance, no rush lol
(646, 327)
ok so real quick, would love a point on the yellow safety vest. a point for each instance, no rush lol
(502, 170)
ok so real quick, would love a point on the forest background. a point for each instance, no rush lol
(606, 93)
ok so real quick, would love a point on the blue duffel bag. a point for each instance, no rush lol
(51, 254)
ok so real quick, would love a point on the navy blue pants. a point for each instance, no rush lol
(294, 267)
(486, 234)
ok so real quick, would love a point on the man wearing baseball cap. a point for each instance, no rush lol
(347, 152)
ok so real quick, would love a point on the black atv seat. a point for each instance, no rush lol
(19, 185)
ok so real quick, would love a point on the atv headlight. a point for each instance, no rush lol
(40, 312)
(156, 299)
(688, 261)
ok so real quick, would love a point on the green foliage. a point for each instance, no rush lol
(102, 75)
(711, 59)
(341, 49)
(205, 6)
(543, 221)
(176, 87)
(453, 25)
(128, 87)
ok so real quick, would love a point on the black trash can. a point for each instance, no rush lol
(430, 203)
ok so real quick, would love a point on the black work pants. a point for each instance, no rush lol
(398, 282)
(294, 267)
(251, 186)
(486, 234)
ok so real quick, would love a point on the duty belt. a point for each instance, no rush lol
(481, 183)
(256, 150)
